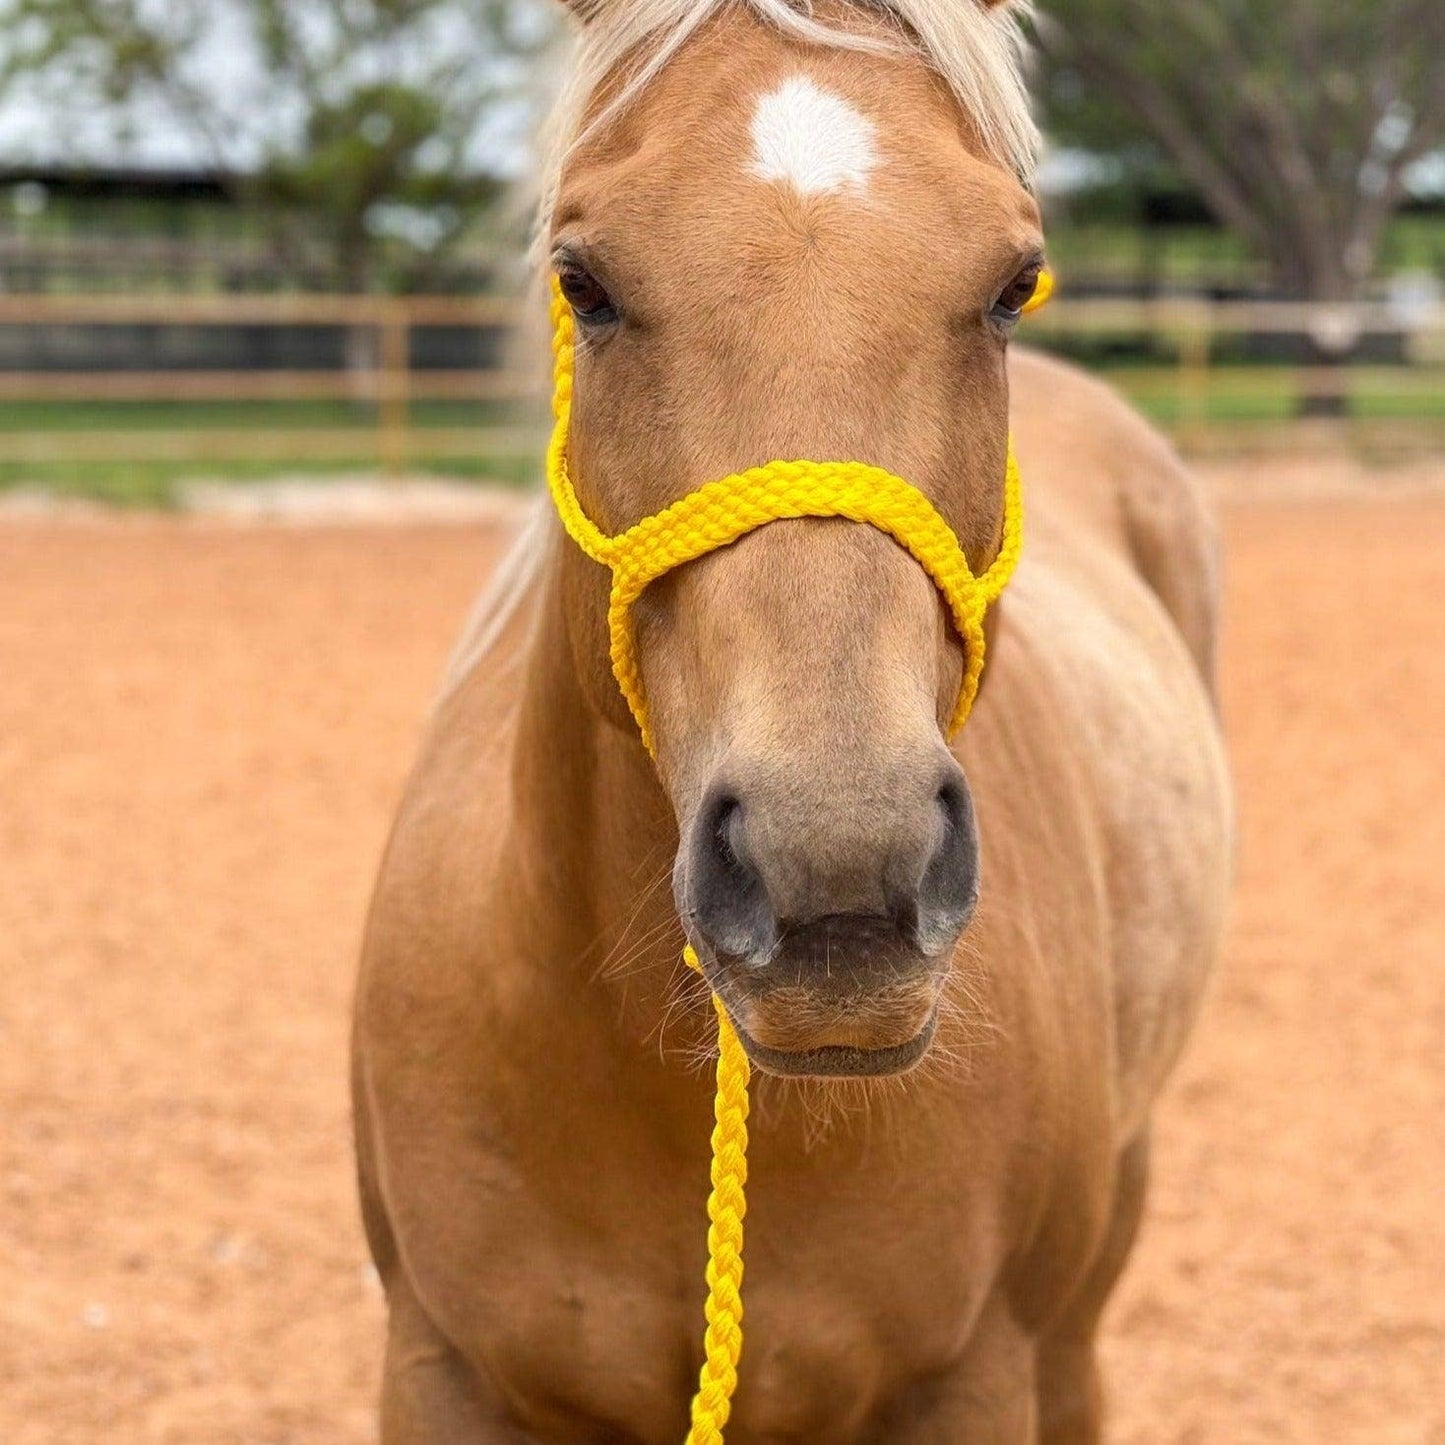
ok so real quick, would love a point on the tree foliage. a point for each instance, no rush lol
(358, 125)
(1295, 120)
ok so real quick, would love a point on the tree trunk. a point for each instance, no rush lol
(1318, 275)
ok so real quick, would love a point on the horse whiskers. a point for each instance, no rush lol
(964, 998)
(686, 1000)
(616, 964)
(828, 1105)
(963, 1034)
(619, 965)
(830, 1098)
(942, 1064)
(648, 862)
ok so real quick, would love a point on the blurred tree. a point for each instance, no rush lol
(359, 125)
(1295, 120)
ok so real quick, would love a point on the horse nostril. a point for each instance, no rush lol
(727, 832)
(948, 891)
(953, 803)
(726, 896)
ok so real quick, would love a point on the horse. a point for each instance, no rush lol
(962, 972)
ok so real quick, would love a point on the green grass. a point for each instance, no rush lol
(1250, 394)
(156, 483)
(1117, 251)
(125, 416)
(1414, 243)
(1191, 255)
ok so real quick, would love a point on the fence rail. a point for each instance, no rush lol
(387, 378)
(279, 309)
(369, 385)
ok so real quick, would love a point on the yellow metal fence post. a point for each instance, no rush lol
(1195, 345)
(394, 389)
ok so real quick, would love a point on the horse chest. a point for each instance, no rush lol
(599, 1336)
(598, 1356)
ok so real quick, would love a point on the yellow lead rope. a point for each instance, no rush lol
(711, 517)
(726, 1206)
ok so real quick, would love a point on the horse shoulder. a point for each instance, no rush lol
(1113, 621)
(422, 986)
(1083, 445)
(478, 1133)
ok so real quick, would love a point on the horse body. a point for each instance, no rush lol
(533, 1160)
(927, 1256)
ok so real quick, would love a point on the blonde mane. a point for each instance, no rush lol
(977, 49)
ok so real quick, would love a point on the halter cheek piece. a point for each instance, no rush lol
(714, 516)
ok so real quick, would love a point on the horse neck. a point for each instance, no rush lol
(596, 838)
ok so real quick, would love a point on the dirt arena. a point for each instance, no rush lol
(203, 730)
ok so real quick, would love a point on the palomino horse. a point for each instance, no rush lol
(798, 232)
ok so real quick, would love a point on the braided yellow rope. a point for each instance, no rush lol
(726, 1205)
(711, 517)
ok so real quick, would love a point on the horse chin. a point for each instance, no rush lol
(842, 1060)
(843, 1026)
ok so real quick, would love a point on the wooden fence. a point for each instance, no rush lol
(390, 384)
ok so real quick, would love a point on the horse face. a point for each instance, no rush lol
(780, 252)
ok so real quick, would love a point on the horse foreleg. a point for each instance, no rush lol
(428, 1395)
(1071, 1404)
(988, 1398)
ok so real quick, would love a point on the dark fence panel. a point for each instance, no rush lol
(152, 348)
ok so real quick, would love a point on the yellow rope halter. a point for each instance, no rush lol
(711, 517)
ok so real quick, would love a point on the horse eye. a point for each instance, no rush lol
(585, 294)
(1017, 294)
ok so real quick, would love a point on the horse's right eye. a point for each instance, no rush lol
(585, 294)
(1017, 294)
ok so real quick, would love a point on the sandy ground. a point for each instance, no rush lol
(202, 734)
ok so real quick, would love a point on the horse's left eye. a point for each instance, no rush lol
(585, 294)
(1017, 294)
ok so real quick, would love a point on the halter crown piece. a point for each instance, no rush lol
(714, 516)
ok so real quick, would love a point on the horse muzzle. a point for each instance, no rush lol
(842, 996)
(827, 923)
